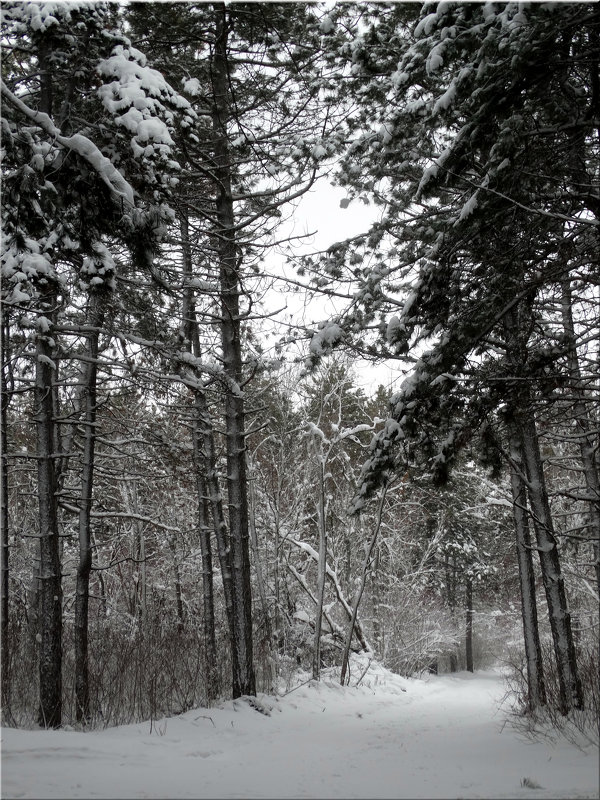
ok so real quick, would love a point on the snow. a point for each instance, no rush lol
(192, 86)
(439, 737)
(79, 144)
(386, 132)
(326, 338)
(435, 59)
(469, 207)
(41, 16)
(425, 26)
(138, 91)
(393, 330)
(327, 25)
(444, 102)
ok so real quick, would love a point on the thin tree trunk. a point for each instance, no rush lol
(450, 570)
(588, 438)
(46, 381)
(178, 592)
(260, 581)
(334, 628)
(322, 572)
(361, 587)
(216, 506)
(4, 519)
(50, 711)
(360, 634)
(129, 494)
(571, 695)
(536, 690)
(469, 624)
(378, 591)
(205, 473)
(243, 667)
(208, 601)
(82, 591)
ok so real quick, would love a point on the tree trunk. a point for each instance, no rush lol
(329, 573)
(469, 624)
(361, 588)
(178, 593)
(82, 591)
(450, 571)
(588, 437)
(536, 690)
(50, 711)
(210, 641)
(589, 443)
(206, 497)
(571, 695)
(4, 519)
(260, 580)
(46, 378)
(230, 323)
(377, 594)
(216, 507)
(322, 572)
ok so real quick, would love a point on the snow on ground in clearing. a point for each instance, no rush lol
(438, 737)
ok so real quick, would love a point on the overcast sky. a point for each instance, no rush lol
(319, 213)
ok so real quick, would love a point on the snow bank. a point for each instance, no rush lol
(382, 736)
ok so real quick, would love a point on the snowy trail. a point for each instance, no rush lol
(439, 738)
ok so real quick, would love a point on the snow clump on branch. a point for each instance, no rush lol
(323, 341)
(139, 92)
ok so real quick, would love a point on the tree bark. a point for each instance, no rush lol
(216, 506)
(588, 438)
(46, 378)
(517, 325)
(571, 695)
(536, 690)
(203, 449)
(377, 593)
(260, 580)
(208, 601)
(469, 624)
(322, 571)
(361, 587)
(230, 323)
(178, 592)
(50, 711)
(4, 519)
(82, 591)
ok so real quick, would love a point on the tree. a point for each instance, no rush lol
(256, 147)
(67, 151)
(484, 101)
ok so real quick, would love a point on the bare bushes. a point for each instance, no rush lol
(581, 727)
(138, 671)
(143, 674)
(20, 679)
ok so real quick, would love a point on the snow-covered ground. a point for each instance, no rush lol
(439, 737)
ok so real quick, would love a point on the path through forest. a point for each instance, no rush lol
(440, 737)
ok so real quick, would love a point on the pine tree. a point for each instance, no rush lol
(249, 72)
(475, 128)
(81, 110)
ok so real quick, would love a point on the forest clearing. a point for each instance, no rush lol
(390, 737)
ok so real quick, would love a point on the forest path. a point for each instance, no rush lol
(443, 737)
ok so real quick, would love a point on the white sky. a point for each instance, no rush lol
(319, 211)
